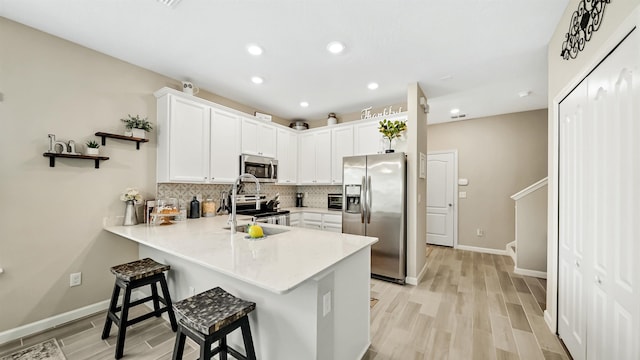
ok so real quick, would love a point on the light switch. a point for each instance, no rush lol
(462, 194)
(463, 182)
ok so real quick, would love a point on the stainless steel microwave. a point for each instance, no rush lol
(265, 169)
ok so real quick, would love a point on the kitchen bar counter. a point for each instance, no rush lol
(311, 287)
(277, 263)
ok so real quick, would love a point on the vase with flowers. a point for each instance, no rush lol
(391, 130)
(137, 126)
(131, 196)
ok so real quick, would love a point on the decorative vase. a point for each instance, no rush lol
(128, 133)
(93, 151)
(139, 133)
(130, 217)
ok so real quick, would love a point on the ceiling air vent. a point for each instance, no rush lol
(169, 3)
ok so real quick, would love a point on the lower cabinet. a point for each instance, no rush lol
(317, 221)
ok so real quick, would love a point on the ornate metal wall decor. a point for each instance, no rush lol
(584, 22)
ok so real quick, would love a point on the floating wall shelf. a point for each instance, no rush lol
(52, 158)
(104, 137)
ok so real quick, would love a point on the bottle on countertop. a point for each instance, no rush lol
(194, 209)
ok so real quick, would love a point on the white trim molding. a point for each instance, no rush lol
(532, 273)
(482, 250)
(416, 280)
(52, 322)
(528, 190)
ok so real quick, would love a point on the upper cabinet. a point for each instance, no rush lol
(287, 155)
(197, 143)
(314, 157)
(341, 146)
(225, 147)
(183, 140)
(258, 138)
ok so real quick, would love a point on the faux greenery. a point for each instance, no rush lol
(135, 122)
(92, 144)
(392, 129)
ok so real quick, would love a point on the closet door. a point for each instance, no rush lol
(614, 298)
(599, 210)
(572, 313)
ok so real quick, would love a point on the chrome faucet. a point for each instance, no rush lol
(233, 222)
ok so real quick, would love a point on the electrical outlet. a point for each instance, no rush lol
(326, 304)
(75, 279)
(479, 232)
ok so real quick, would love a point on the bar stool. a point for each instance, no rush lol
(209, 317)
(130, 276)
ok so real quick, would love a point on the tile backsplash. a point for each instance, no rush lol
(315, 196)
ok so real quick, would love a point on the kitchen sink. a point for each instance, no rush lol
(265, 230)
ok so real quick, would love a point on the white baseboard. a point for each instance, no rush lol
(550, 323)
(416, 280)
(510, 252)
(533, 273)
(51, 322)
(60, 319)
(364, 352)
(482, 250)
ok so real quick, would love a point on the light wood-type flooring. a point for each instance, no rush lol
(468, 306)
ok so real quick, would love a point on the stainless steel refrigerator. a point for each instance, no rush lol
(374, 204)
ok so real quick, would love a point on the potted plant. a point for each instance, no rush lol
(391, 130)
(131, 196)
(93, 148)
(137, 126)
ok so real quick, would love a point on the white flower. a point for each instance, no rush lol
(131, 194)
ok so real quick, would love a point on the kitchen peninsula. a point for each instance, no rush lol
(311, 288)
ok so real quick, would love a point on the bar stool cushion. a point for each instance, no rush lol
(212, 310)
(139, 269)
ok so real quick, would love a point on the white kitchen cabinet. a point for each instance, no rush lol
(197, 143)
(183, 140)
(367, 139)
(294, 219)
(331, 222)
(287, 155)
(312, 221)
(258, 138)
(342, 145)
(225, 148)
(314, 157)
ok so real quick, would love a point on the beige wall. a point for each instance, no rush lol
(531, 245)
(51, 223)
(499, 155)
(563, 75)
(416, 187)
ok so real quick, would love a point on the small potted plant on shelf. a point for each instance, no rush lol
(391, 130)
(93, 148)
(136, 126)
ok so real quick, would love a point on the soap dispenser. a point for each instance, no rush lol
(194, 212)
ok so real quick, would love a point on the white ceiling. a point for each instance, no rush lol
(475, 55)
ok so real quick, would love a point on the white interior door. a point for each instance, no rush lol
(441, 181)
(599, 207)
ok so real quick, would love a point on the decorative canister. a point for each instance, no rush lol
(331, 120)
(208, 208)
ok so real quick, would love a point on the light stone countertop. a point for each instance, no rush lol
(277, 263)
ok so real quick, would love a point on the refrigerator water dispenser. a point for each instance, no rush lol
(352, 194)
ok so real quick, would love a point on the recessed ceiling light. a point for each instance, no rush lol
(446, 77)
(257, 80)
(254, 49)
(304, 104)
(169, 3)
(335, 47)
(454, 111)
(372, 86)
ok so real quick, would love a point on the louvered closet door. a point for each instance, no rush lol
(599, 207)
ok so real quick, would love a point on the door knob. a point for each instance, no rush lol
(450, 205)
(577, 263)
(598, 280)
